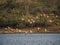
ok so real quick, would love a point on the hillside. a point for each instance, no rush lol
(23, 14)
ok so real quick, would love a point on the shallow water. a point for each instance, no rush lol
(29, 39)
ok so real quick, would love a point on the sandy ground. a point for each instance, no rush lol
(54, 29)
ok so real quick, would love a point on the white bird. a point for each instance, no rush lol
(47, 16)
(20, 31)
(26, 32)
(31, 31)
(38, 28)
(45, 30)
(50, 21)
(56, 16)
(6, 28)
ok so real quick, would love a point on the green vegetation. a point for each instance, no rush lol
(29, 13)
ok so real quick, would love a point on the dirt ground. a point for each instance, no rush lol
(53, 29)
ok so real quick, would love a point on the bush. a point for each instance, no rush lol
(21, 25)
(57, 22)
(3, 21)
(13, 23)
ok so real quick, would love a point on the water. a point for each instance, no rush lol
(29, 39)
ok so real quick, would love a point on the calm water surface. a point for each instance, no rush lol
(29, 39)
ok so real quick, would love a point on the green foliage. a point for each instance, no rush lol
(12, 23)
(3, 21)
(21, 26)
(57, 23)
(13, 12)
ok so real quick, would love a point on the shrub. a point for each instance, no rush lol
(57, 22)
(21, 25)
(13, 23)
(3, 21)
